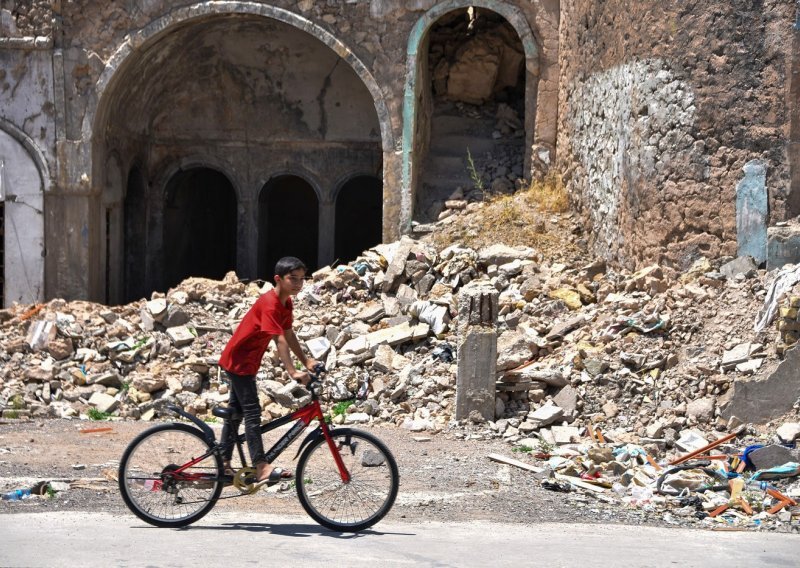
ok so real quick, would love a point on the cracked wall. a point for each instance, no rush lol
(656, 121)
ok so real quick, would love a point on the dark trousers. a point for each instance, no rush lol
(244, 400)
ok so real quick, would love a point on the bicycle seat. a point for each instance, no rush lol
(226, 413)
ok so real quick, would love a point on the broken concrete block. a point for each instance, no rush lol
(103, 402)
(567, 399)
(732, 357)
(40, 334)
(371, 313)
(384, 358)
(789, 432)
(783, 246)
(318, 347)
(546, 414)
(180, 336)
(771, 456)
(701, 409)
(741, 265)
(759, 400)
(175, 316)
(157, 308)
(355, 345)
(397, 266)
(565, 434)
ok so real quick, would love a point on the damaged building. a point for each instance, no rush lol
(145, 141)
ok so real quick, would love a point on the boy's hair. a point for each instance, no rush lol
(287, 264)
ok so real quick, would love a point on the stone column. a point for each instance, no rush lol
(477, 350)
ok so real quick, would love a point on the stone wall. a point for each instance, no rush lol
(660, 106)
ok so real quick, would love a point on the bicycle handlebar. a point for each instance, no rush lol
(315, 383)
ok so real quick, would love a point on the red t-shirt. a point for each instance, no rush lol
(265, 320)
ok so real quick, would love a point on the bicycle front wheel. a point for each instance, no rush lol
(156, 483)
(365, 498)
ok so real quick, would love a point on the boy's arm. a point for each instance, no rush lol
(286, 342)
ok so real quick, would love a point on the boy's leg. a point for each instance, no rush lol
(231, 427)
(244, 388)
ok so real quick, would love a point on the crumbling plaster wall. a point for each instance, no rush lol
(660, 106)
(27, 144)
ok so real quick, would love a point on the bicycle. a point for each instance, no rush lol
(172, 475)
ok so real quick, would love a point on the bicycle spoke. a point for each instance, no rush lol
(157, 485)
(369, 493)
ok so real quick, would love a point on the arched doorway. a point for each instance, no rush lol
(463, 57)
(476, 67)
(288, 223)
(199, 226)
(22, 229)
(251, 93)
(359, 210)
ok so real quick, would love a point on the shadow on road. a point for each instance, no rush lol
(290, 529)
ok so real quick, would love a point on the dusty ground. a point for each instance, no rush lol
(442, 479)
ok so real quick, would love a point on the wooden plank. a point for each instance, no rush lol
(528, 467)
(704, 449)
(516, 463)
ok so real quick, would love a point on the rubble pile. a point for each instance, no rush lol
(605, 373)
(642, 354)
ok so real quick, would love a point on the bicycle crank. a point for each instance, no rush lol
(245, 480)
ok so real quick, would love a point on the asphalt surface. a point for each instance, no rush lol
(55, 539)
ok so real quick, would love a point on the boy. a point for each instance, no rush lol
(269, 318)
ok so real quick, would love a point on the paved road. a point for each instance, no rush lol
(224, 539)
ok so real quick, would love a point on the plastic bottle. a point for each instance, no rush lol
(16, 495)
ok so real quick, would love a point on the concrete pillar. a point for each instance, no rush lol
(327, 235)
(477, 350)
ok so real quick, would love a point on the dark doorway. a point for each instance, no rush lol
(288, 223)
(135, 241)
(199, 226)
(476, 100)
(359, 217)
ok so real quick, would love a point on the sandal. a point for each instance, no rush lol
(277, 475)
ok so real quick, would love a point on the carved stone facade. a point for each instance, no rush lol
(143, 141)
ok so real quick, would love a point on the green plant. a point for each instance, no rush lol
(50, 492)
(95, 414)
(476, 178)
(341, 407)
(522, 449)
(126, 386)
(546, 447)
(210, 419)
(12, 414)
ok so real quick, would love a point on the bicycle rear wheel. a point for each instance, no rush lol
(365, 499)
(156, 488)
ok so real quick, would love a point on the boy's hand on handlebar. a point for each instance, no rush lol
(301, 377)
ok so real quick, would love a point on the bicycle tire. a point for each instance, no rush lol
(156, 496)
(365, 499)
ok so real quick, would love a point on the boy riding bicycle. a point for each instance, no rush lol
(269, 318)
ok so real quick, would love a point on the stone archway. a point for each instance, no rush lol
(22, 175)
(358, 213)
(417, 109)
(288, 223)
(199, 226)
(231, 106)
